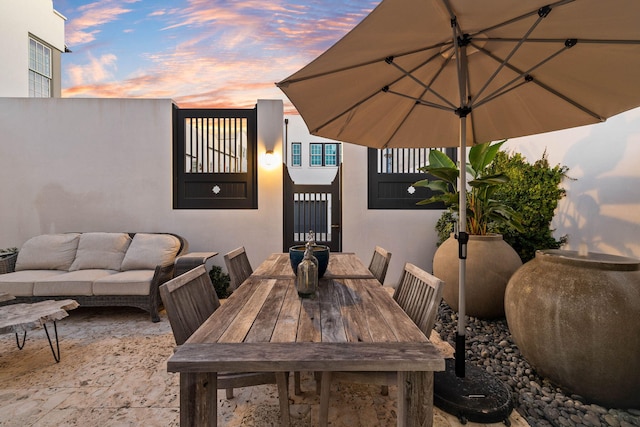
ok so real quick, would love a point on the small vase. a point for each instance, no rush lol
(307, 277)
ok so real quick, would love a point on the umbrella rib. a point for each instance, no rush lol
(419, 101)
(288, 81)
(389, 60)
(524, 16)
(427, 87)
(529, 78)
(541, 16)
(539, 40)
(526, 74)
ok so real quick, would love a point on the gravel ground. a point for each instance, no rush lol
(540, 402)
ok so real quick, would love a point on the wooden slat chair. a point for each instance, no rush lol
(380, 263)
(238, 266)
(419, 294)
(189, 300)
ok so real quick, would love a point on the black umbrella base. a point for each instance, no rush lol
(477, 397)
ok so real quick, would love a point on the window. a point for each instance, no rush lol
(296, 154)
(39, 70)
(391, 174)
(330, 155)
(215, 159)
(324, 154)
(315, 151)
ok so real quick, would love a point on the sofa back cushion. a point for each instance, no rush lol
(101, 251)
(150, 250)
(48, 252)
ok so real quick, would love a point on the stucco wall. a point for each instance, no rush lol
(19, 19)
(601, 212)
(105, 165)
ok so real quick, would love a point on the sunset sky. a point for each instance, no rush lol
(200, 53)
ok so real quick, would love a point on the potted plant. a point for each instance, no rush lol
(490, 260)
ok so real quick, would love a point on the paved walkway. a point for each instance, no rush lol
(113, 373)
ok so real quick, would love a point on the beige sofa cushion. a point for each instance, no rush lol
(20, 283)
(150, 250)
(48, 252)
(133, 282)
(77, 282)
(101, 251)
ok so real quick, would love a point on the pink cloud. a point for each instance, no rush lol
(84, 28)
(218, 54)
(97, 70)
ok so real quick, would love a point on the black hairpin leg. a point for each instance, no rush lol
(24, 338)
(56, 352)
(55, 328)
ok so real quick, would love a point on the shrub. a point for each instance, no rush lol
(533, 190)
(220, 281)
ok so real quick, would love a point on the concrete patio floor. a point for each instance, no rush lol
(113, 373)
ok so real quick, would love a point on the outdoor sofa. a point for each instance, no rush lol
(95, 269)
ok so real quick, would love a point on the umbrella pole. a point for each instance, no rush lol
(470, 393)
(463, 238)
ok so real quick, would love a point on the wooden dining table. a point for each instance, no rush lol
(351, 324)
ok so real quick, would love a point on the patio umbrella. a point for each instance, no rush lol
(446, 73)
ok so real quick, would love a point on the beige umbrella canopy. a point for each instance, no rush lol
(532, 67)
(447, 73)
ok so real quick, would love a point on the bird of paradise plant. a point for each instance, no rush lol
(484, 212)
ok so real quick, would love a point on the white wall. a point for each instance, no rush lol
(296, 131)
(106, 165)
(602, 209)
(408, 234)
(19, 19)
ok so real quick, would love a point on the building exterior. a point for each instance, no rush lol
(31, 45)
(309, 159)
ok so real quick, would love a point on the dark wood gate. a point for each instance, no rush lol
(313, 207)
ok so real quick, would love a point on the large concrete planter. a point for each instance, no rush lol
(576, 319)
(489, 266)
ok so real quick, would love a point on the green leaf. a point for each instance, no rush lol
(481, 155)
(438, 159)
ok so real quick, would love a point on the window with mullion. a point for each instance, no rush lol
(315, 153)
(296, 154)
(39, 70)
(331, 155)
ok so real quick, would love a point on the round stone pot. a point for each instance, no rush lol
(489, 266)
(576, 319)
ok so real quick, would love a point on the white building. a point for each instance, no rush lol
(309, 159)
(31, 44)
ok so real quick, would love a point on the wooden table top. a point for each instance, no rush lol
(341, 265)
(346, 320)
(24, 317)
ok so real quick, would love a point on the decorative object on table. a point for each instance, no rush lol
(576, 318)
(320, 252)
(307, 274)
(490, 260)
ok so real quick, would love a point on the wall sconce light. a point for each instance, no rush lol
(269, 159)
